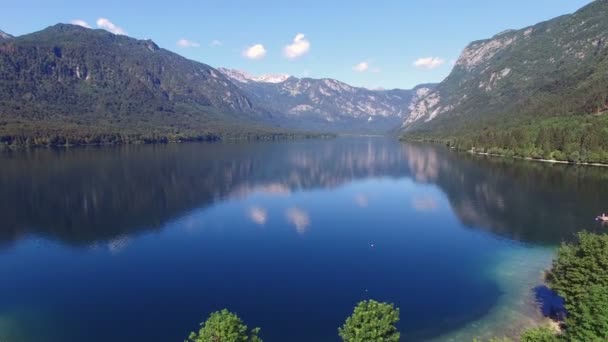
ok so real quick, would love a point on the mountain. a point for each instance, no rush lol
(244, 77)
(553, 74)
(327, 104)
(4, 35)
(67, 83)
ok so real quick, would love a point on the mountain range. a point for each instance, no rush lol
(68, 84)
(327, 104)
(540, 91)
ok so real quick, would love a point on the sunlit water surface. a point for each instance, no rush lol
(141, 243)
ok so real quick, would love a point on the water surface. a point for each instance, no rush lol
(143, 242)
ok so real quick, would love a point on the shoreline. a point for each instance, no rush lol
(552, 161)
(320, 136)
(517, 273)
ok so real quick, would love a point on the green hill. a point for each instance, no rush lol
(68, 84)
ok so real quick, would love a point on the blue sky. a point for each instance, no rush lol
(364, 43)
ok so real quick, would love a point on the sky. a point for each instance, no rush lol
(374, 44)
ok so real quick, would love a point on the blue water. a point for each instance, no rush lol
(143, 242)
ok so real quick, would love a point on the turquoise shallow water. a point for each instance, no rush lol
(517, 272)
(143, 242)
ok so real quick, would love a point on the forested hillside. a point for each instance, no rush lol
(71, 85)
(541, 92)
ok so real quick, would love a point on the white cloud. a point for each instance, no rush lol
(257, 51)
(429, 62)
(215, 42)
(361, 67)
(80, 22)
(185, 43)
(366, 67)
(298, 47)
(107, 25)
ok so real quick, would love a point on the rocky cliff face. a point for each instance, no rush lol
(552, 68)
(327, 103)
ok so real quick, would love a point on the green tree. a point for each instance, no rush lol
(588, 319)
(224, 326)
(542, 334)
(580, 276)
(371, 321)
(579, 265)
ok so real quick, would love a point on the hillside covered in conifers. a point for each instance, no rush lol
(540, 92)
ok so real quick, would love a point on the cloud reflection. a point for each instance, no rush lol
(361, 200)
(274, 189)
(424, 204)
(118, 244)
(299, 218)
(258, 215)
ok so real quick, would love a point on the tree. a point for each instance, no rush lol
(224, 326)
(579, 265)
(580, 276)
(541, 334)
(588, 320)
(371, 321)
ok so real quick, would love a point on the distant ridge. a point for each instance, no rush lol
(68, 84)
(245, 77)
(328, 104)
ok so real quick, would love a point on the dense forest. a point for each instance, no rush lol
(48, 133)
(575, 139)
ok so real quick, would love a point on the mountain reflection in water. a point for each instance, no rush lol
(276, 231)
(84, 195)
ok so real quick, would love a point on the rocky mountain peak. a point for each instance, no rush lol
(328, 104)
(244, 77)
(4, 35)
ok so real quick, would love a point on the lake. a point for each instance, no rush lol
(141, 243)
